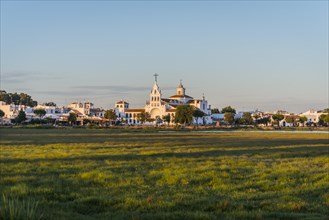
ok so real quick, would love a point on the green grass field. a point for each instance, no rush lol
(138, 174)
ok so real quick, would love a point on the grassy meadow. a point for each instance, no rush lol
(141, 174)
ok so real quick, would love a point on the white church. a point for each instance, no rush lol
(158, 107)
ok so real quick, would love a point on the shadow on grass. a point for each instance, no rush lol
(294, 152)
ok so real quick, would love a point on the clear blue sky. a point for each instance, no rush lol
(248, 54)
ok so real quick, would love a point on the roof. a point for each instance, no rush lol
(181, 96)
(171, 110)
(76, 112)
(170, 101)
(121, 102)
(135, 110)
(165, 100)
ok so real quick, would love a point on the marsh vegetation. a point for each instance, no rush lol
(137, 174)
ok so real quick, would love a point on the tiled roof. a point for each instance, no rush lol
(171, 110)
(121, 102)
(76, 112)
(181, 96)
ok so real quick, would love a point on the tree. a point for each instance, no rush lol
(264, 120)
(49, 104)
(166, 118)
(72, 118)
(40, 112)
(17, 99)
(197, 113)
(143, 117)
(290, 119)
(247, 118)
(229, 117)
(184, 114)
(277, 118)
(1, 115)
(302, 120)
(214, 111)
(110, 115)
(324, 119)
(148, 117)
(21, 117)
(228, 109)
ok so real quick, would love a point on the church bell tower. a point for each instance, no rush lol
(155, 94)
(180, 90)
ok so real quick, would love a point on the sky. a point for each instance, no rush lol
(264, 55)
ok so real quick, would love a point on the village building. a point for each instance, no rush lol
(120, 109)
(97, 112)
(82, 107)
(11, 110)
(312, 115)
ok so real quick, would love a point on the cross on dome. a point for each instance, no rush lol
(156, 77)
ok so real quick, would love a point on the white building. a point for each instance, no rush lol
(82, 107)
(312, 115)
(120, 108)
(97, 112)
(11, 110)
(51, 111)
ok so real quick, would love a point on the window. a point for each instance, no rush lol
(178, 92)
